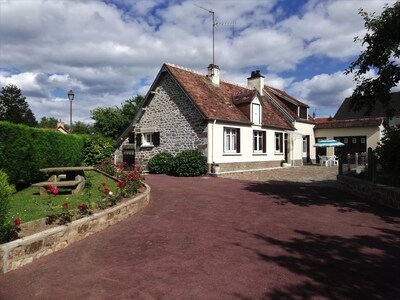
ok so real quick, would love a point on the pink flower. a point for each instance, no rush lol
(65, 205)
(17, 222)
(82, 206)
(106, 191)
(55, 191)
(103, 184)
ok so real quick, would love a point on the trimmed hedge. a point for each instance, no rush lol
(189, 163)
(161, 163)
(6, 190)
(24, 150)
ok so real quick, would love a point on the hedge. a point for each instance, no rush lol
(24, 150)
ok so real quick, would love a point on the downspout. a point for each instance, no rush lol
(212, 142)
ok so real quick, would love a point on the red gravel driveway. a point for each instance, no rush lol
(214, 238)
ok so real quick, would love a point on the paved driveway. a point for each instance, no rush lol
(214, 238)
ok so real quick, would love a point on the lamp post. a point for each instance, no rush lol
(71, 96)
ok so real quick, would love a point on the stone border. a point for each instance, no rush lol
(18, 253)
(377, 193)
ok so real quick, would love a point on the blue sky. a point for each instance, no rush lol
(107, 51)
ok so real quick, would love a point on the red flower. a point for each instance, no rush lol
(103, 184)
(65, 205)
(106, 191)
(55, 191)
(17, 222)
(82, 207)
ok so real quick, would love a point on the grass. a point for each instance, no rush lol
(28, 205)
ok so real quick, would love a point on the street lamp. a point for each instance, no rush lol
(71, 96)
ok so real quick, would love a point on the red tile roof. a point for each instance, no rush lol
(284, 95)
(219, 102)
(367, 122)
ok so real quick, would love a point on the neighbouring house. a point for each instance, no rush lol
(355, 129)
(238, 128)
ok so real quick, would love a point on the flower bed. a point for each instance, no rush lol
(20, 252)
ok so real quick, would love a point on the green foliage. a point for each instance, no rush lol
(189, 163)
(48, 122)
(24, 150)
(161, 163)
(388, 153)
(14, 108)
(382, 42)
(97, 148)
(111, 121)
(7, 232)
(82, 128)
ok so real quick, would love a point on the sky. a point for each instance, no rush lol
(107, 51)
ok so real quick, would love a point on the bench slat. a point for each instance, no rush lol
(58, 183)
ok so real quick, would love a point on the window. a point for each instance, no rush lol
(231, 140)
(354, 140)
(259, 141)
(256, 113)
(148, 139)
(278, 142)
(346, 140)
(362, 140)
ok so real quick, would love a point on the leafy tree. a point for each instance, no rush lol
(382, 51)
(83, 128)
(111, 121)
(47, 122)
(14, 108)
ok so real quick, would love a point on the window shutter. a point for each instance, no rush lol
(238, 140)
(138, 139)
(156, 139)
(281, 142)
(131, 137)
(264, 142)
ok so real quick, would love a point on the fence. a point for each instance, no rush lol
(364, 162)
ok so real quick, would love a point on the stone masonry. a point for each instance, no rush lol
(173, 115)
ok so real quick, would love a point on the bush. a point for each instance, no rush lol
(189, 163)
(161, 163)
(96, 149)
(388, 153)
(24, 150)
(7, 232)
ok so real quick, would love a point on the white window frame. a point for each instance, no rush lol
(256, 108)
(147, 139)
(230, 140)
(279, 142)
(258, 141)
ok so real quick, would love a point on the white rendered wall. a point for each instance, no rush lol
(303, 129)
(216, 145)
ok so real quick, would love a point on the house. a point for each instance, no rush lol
(355, 129)
(239, 128)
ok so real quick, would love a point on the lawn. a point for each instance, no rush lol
(27, 205)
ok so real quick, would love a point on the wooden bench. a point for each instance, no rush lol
(76, 185)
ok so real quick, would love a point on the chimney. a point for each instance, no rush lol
(213, 74)
(256, 80)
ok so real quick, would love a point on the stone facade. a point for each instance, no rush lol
(18, 253)
(173, 115)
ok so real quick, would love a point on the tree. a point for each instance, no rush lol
(14, 108)
(48, 122)
(111, 121)
(382, 51)
(83, 128)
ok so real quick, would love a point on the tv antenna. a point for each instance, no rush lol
(214, 24)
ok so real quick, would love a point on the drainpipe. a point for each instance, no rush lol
(212, 141)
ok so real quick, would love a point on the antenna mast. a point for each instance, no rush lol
(214, 24)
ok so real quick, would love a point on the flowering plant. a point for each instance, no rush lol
(52, 190)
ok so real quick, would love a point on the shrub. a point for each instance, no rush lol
(161, 163)
(189, 163)
(388, 152)
(96, 149)
(7, 232)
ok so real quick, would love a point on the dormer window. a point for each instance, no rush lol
(256, 113)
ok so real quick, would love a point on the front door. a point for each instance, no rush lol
(306, 149)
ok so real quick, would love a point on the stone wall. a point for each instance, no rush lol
(378, 193)
(172, 114)
(20, 252)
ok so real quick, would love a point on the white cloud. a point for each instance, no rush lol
(109, 51)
